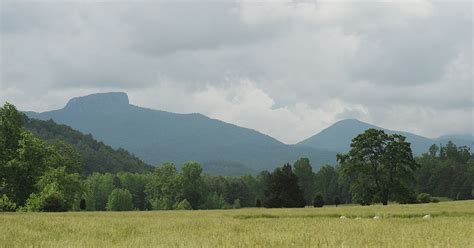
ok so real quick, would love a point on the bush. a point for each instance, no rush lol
(423, 198)
(214, 201)
(318, 201)
(120, 200)
(184, 205)
(236, 204)
(6, 205)
(258, 203)
(160, 204)
(51, 199)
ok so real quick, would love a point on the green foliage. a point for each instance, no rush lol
(50, 199)
(184, 205)
(236, 204)
(163, 186)
(97, 189)
(327, 183)
(447, 171)
(304, 172)
(161, 204)
(191, 183)
(68, 183)
(120, 200)
(318, 201)
(214, 201)
(380, 167)
(423, 198)
(135, 183)
(94, 156)
(6, 205)
(282, 190)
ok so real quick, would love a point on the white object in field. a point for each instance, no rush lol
(428, 216)
(343, 217)
(376, 217)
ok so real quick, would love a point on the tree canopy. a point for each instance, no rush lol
(381, 167)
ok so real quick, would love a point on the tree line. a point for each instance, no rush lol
(36, 175)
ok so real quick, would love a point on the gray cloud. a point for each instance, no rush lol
(285, 68)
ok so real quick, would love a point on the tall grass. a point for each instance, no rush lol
(452, 225)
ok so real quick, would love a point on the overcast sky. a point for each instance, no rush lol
(285, 68)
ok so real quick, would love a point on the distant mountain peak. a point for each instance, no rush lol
(99, 100)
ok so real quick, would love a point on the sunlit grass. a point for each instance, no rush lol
(451, 225)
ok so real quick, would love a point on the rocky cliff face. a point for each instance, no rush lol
(94, 102)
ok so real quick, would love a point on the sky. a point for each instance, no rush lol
(285, 68)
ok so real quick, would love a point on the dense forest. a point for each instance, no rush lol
(50, 167)
(95, 155)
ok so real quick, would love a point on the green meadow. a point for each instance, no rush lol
(451, 225)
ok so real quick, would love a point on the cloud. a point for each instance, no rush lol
(286, 68)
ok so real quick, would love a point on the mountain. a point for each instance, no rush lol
(338, 137)
(157, 136)
(96, 156)
(458, 139)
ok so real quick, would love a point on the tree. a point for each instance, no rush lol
(97, 189)
(318, 201)
(337, 201)
(381, 167)
(423, 198)
(192, 184)
(50, 199)
(10, 132)
(67, 183)
(282, 190)
(6, 205)
(23, 171)
(184, 205)
(327, 183)
(304, 172)
(163, 188)
(120, 200)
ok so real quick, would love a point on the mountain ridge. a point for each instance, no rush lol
(338, 136)
(157, 136)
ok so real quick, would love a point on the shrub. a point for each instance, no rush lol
(120, 200)
(214, 201)
(6, 205)
(51, 199)
(318, 201)
(184, 205)
(236, 204)
(423, 198)
(258, 203)
(160, 204)
(82, 204)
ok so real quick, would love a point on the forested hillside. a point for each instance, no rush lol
(96, 156)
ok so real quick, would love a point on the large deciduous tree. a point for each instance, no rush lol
(380, 167)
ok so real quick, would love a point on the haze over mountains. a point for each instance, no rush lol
(157, 136)
(338, 137)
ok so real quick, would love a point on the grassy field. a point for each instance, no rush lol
(451, 225)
